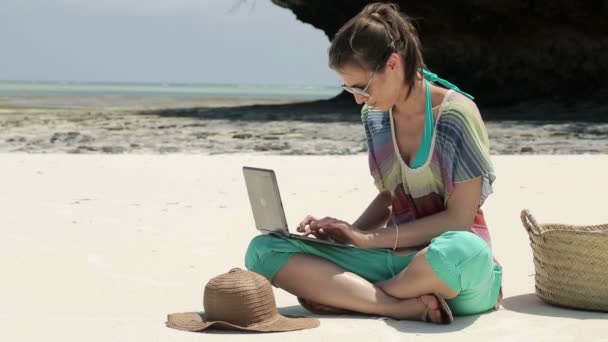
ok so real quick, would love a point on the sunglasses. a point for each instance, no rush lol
(358, 91)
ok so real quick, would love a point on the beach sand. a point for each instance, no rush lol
(103, 247)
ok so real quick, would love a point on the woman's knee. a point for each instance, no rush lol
(456, 252)
(266, 254)
(459, 246)
(258, 247)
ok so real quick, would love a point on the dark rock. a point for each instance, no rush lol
(166, 126)
(203, 135)
(16, 139)
(242, 136)
(71, 137)
(168, 149)
(113, 149)
(195, 125)
(501, 51)
(115, 128)
(85, 149)
(527, 149)
(271, 147)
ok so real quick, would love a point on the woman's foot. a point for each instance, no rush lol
(434, 309)
(437, 310)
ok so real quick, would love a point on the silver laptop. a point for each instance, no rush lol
(268, 212)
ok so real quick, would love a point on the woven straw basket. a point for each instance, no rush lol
(571, 263)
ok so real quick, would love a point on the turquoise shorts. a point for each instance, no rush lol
(461, 259)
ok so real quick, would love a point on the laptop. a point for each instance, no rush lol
(268, 212)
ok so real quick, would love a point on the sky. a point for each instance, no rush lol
(188, 41)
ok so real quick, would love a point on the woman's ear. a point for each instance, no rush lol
(393, 61)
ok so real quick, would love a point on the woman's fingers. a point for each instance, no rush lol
(331, 224)
(303, 226)
(322, 228)
(324, 221)
(337, 230)
(308, 227)
(319, 234)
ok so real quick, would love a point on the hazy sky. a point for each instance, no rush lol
(200, 41)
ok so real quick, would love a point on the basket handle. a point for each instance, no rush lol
(532, 227)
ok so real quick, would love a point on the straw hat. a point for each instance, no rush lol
(239, 300)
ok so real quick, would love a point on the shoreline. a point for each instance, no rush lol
(121, 131)
(163, 125)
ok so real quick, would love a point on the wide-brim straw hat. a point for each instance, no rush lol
(239, 300)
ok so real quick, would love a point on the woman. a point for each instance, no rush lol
(429, 157)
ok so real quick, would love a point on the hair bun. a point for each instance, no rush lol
(380, 10)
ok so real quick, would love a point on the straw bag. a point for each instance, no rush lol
(571, 263)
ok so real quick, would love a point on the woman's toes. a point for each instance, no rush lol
(432, 312)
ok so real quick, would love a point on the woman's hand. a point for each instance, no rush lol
(305, 227)
(338, 230)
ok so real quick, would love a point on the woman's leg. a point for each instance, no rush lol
(336, 276)
(417, 279)
(324, 282)
(457, 265)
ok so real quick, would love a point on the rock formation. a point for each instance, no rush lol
(502, 51)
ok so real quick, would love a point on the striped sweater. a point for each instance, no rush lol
(459, 152)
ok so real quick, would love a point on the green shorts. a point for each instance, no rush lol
(461, 259)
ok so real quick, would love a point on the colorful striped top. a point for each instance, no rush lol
(459, 152)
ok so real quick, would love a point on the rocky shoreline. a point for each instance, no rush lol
(242, 127)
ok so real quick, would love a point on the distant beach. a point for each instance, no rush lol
(51, 117)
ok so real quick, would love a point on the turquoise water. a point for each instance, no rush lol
(19, 88)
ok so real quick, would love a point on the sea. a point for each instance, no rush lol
(74, 94)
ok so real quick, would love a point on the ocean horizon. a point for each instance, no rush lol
(67, 88)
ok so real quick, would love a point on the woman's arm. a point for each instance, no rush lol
(462, 206)
(376, 214)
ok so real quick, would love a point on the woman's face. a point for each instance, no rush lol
(383, 87)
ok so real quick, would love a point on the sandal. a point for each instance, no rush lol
(499, 300)
(446, 313)
(327, 310)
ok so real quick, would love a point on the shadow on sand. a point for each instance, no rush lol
(402, 326)
(532, 305)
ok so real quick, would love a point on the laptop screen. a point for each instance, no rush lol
(265, 200)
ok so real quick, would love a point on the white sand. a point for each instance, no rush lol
(102, 247)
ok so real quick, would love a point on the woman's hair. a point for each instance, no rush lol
(369, 38)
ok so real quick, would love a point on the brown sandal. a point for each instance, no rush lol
(446, 313)
(499, 300)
